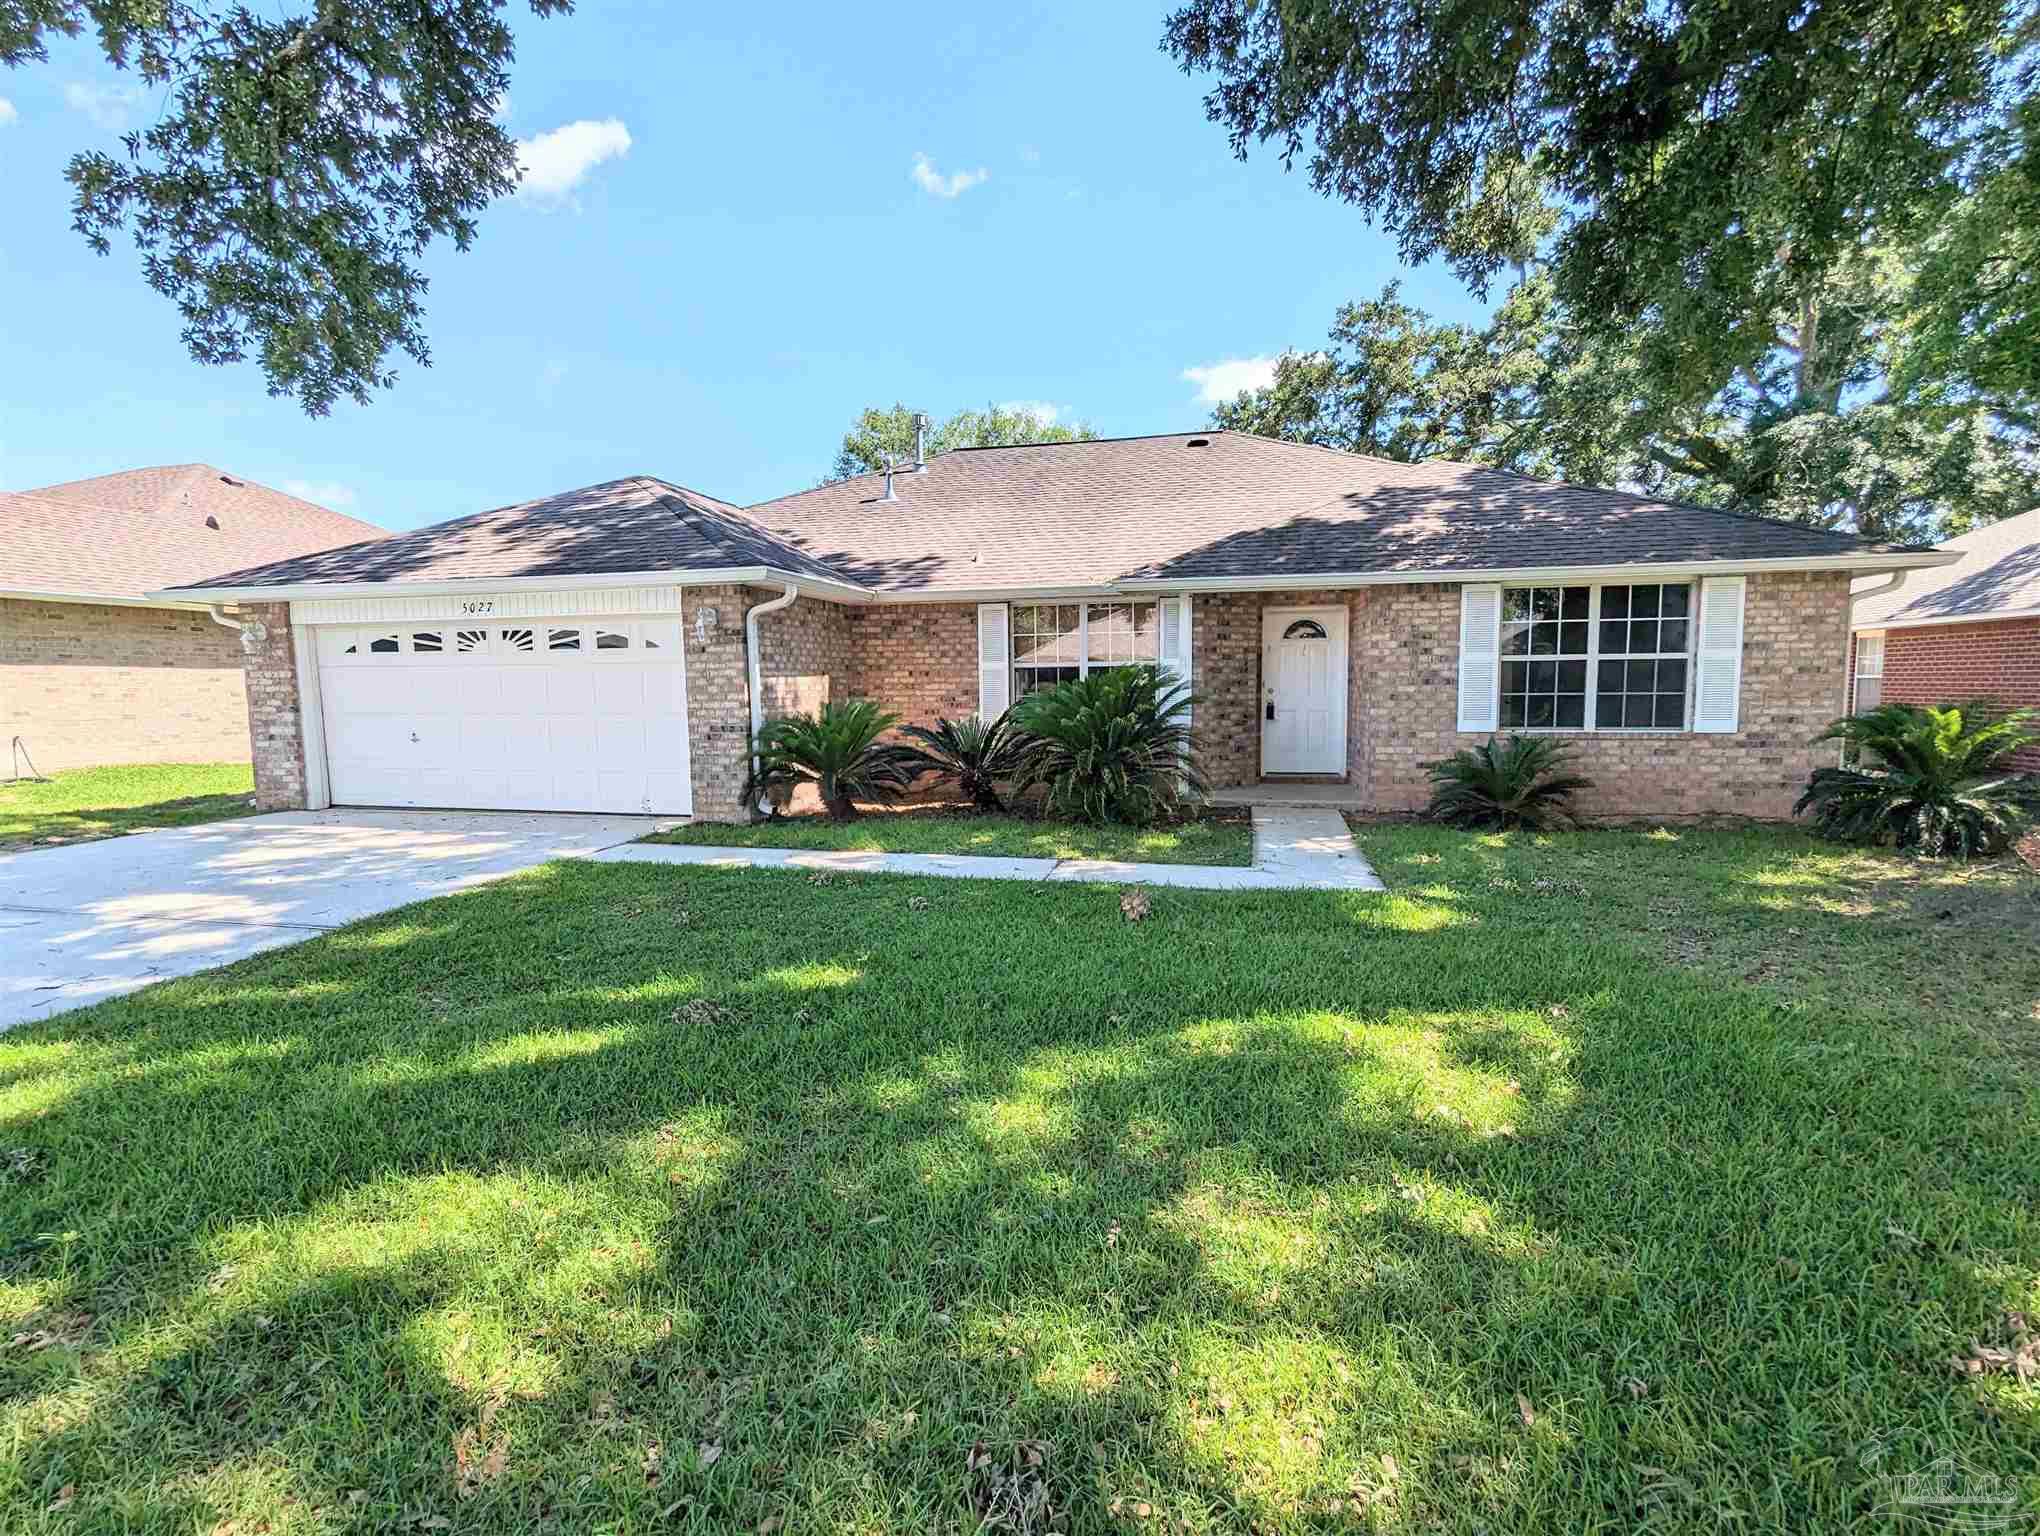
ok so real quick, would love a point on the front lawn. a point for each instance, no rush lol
(88, 803)
(1566, 1188)
(1211, 840)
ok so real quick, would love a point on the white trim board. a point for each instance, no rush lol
(2012, 617)
(586, 603)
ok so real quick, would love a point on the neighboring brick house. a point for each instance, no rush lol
(91, 669)
(1968, 630)
(1342, 619)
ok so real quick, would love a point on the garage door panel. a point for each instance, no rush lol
(495, 726)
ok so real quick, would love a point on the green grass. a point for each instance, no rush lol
(1214, 840)
(89, 803)
(1571, 1187)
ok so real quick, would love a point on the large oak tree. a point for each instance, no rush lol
(304, 161)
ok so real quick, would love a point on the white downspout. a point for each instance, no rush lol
(756, 670)
(1890, 583)
(252, 631)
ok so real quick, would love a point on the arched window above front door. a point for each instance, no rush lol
(1304, 629)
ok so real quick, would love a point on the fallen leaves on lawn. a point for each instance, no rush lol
(2014, 1352)
(917, 903)
(1133, 904)
(479, 1458)
(57, 1328)
(1525, 1412)
(702, 1013)
(63, 1499)
(1010, 1490)
(22, 1165)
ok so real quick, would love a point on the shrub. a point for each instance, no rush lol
(1518, 783)
(1935, 782)
(978, 754)
(1114, 746)
(838, 751)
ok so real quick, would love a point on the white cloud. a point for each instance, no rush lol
(327, 493)
(7, 112)
(1218, 383)
(1041, 410)
(109, 106)
(935, 184)
(555, 163)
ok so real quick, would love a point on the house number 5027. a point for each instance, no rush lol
(485, 606)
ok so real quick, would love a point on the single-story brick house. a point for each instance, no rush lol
(92, 669)
(1965, 631)
(1343, 619)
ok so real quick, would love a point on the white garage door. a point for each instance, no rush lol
(529, 714)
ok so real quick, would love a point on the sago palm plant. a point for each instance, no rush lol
(979, 754)
(838, 751)
(1114, 746)
(1935, 782)
(1521, 782)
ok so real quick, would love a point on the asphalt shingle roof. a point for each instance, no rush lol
(1146, 509)
(620, 526)
(1162, 508)
(126, 534)
(1998, 577)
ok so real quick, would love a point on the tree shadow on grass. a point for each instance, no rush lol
(1223, 1207)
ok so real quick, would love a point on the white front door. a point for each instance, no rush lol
(563, 714)
(1303, 690)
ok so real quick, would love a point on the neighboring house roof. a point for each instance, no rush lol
(1144, 511)
(123, 535)
(1997, 577)
(634, 526)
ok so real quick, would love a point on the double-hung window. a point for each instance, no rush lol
(1599, 658)
(1869, 671)
(1057, 642)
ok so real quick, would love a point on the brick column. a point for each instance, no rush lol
(718, 702)
(276, 733)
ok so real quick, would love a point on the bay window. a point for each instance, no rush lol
(1604, 658)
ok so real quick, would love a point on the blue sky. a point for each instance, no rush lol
(818, 208)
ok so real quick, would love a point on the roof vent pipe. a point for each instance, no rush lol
(889, 493)
(920, 442)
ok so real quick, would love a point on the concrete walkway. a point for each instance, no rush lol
(1295, 849)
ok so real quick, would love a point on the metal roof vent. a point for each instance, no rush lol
(212, 523)
(228, 480)
(890, 494)
(1198, 442)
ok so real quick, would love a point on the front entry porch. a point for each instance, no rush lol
(1333, 796)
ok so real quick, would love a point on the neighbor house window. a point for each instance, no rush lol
(1603, 658)
(1869, 672)
(1057, 642)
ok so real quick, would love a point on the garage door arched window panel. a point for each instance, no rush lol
(467, 642)
(515, 640)
(611, 640)
(427, 641)
(385, 645)
(563, 639)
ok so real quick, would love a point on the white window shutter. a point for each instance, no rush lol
(1480, 644)
(995, 667)
(1717, 692)
(1173, 649)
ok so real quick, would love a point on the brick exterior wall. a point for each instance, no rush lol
(803, 654)
(275, 721)
(1950, 663)
(917, 659)
(90, 683)
(1795, 644)
(718, 701)
(920, 659)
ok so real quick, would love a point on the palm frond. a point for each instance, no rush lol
(838, 751)
(1931, 781)
(979, 754)
(1114, 746)
(1517, 783)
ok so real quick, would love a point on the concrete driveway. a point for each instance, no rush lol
(93, 920)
